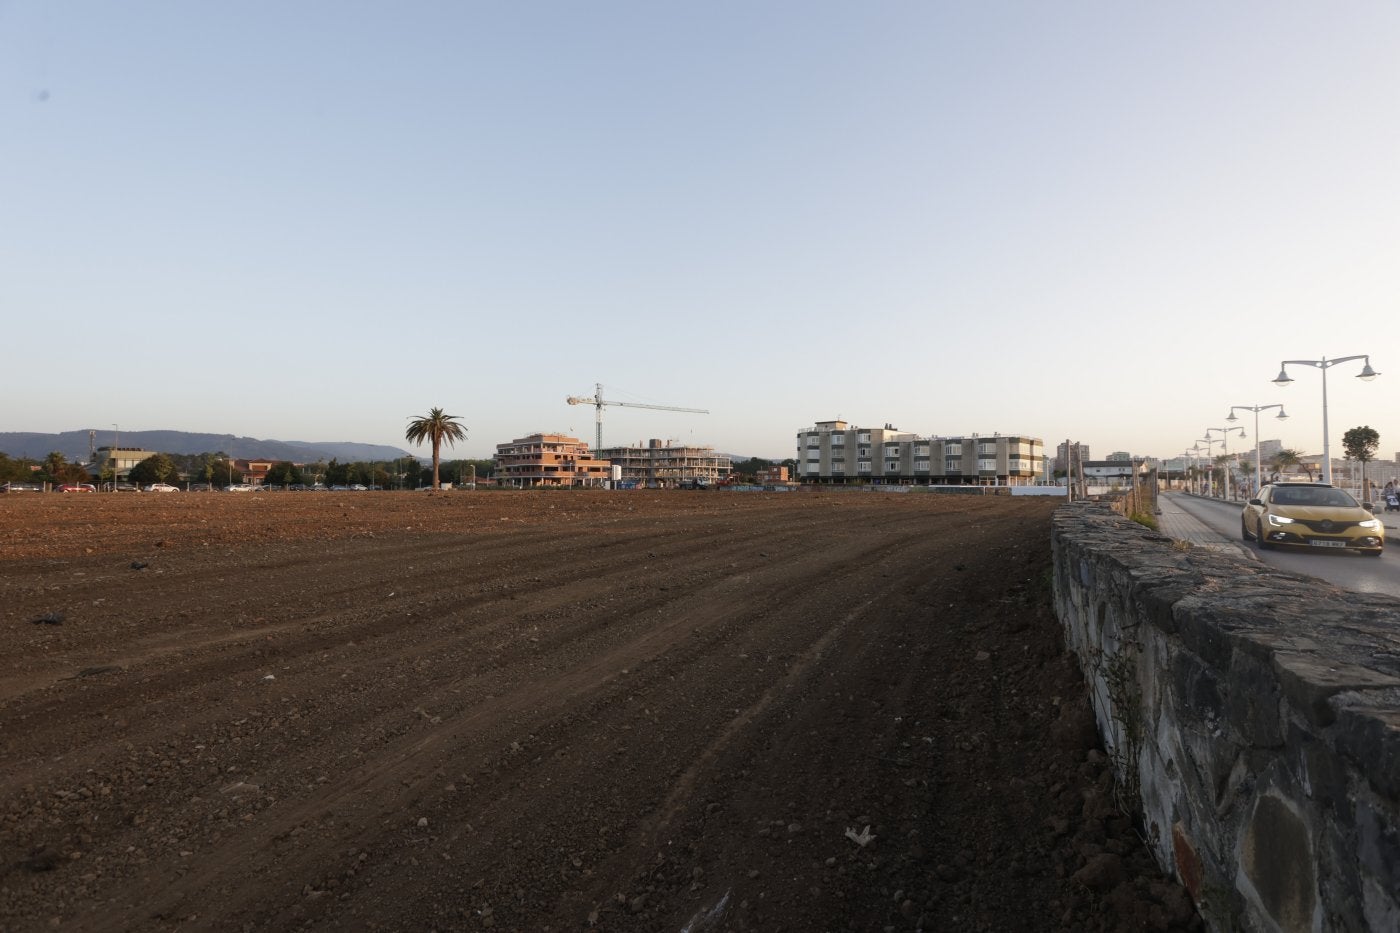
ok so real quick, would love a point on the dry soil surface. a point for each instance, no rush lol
(553, 711)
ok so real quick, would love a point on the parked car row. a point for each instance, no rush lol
(87, 487)
(192, 487)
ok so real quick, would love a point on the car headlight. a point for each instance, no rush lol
(1370, 523)
(1279, 520)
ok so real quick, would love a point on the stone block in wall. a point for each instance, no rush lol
(1378, 843)
(1368, 732)
(1309, 681)
(1253, 702)
(1277, 864)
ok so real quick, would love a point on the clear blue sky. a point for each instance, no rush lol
(308, 221)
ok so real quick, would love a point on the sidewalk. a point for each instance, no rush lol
(1174, 522)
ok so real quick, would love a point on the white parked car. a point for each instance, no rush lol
(162, 487)
(241, 487)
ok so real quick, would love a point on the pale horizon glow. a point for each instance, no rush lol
(1106, 223)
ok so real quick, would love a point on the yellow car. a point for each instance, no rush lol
(1312, 515)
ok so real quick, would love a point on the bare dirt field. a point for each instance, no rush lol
(674, 711)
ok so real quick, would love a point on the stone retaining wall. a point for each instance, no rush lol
(1253, 718)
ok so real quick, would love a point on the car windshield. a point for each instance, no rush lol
(1313, 495)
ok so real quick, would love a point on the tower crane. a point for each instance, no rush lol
(597, 401)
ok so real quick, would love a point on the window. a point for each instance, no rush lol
(986, 450)
(891, 466)
(838, 440)
(863, 466)
(863, 451)
(921, 451)
(987, 466)
(953, 450)
(863, 437)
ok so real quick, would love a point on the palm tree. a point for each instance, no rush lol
(1282, 461)
(437, 427)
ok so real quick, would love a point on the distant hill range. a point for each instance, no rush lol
(74, 446)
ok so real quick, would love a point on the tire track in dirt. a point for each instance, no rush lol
(400, 772)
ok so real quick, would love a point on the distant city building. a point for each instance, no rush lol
(771, 476)
(1270, 449)
(1112, 472)
(1119, 455)
(658, 463)
(548, 460)
(124, 458)
(836, 452)
(1068, 457)
(254, 471)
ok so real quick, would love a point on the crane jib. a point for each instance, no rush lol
(597, 401)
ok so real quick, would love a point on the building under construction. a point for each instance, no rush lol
(549, 460)
(659, 464)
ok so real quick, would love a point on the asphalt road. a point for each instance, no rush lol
(1348, 571)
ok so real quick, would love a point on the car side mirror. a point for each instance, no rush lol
(1256, 502)
(1369, 506)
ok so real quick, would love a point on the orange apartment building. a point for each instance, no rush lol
(549, 460)
(254, 471)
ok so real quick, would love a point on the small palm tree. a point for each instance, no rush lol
(436, 426)
(1282, 461)
(1221, 473)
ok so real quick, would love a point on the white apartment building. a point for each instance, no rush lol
(834, 452)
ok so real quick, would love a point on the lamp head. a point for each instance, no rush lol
(1282, 379)
(1233, 416)
(1367, 373)
(1282, 415)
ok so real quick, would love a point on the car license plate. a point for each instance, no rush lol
(1316, 543)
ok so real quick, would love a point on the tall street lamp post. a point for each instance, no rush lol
(1193, 484)
(1210, 469)
(1281, 416)
(1283, 381)
(1187, 461)
(1229, 491)
(116, 436)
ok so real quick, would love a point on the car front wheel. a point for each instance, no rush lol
(1244, 530)
(1264, 543)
